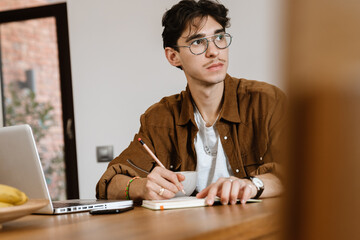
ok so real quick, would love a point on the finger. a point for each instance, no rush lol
(214, 188)
(164, 194)
(246, 194)
(225, 192)
(167, 194)
(163, 178)
(203, 193)
(155, 195)
(180, 177)
(156, 192)
(235, 188)
(211, 195)
(152, 190)
(172, 177)
(242, 186)
(162, 182)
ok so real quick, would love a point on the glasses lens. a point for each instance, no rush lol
(198, 46)
(222, 40)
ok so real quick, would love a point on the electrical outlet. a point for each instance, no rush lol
(104, 153)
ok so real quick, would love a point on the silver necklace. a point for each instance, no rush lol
(203, 128)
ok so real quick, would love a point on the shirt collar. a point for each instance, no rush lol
(187, 108)
(230, 109)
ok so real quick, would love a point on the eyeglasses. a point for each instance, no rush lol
(200, 45)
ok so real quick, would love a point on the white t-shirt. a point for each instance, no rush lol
(212, 162)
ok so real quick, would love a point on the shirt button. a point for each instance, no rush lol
(237, 170)
(171, 166)
(260, 158)
(225, 137)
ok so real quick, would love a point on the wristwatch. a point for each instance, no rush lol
(259, 186)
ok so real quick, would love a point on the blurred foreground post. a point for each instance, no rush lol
(323, 74)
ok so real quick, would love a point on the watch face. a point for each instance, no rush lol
(258, 182)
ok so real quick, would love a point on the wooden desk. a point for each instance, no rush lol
(255, 220)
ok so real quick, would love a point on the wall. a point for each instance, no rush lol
(119, 68)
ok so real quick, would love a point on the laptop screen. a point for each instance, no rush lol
(20, 167)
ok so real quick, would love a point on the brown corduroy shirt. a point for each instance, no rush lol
(249, 125)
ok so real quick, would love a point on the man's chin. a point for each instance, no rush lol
(216, 77)
(209, 79)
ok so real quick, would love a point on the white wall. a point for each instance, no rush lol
(119, 69)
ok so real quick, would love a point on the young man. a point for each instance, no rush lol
(226, 129)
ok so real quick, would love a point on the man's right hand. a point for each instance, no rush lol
(161, 183)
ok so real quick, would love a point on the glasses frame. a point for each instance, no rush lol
(212, 39)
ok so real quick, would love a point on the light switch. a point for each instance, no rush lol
(104, 153)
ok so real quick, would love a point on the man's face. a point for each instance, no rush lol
(207, 68)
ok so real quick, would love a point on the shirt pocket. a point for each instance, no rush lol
(141, 166)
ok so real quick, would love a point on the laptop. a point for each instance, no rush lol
(20, 167)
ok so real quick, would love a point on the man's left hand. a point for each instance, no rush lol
(229, 190)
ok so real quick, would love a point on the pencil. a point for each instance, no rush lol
(154, 157)
(151, 153)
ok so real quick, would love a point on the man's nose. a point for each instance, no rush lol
(212, 50)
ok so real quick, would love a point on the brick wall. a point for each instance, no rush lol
(16, 4)
(32, 45)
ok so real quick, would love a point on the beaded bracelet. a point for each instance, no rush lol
(127, 187)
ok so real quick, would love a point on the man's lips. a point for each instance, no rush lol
(215, 66)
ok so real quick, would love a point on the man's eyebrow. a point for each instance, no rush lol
(201, 35)
(219, 31)
(195, 36)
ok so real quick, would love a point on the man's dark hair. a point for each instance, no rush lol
(176, 19)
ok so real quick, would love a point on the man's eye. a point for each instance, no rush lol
(220, 37)
(198, 42)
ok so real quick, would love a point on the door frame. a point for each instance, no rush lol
(59, 11)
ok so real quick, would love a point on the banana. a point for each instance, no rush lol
(12, 195)
(2, 205)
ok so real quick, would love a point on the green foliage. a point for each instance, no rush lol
(21, 107)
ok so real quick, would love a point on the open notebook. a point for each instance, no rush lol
(182, 202)
(20, 167)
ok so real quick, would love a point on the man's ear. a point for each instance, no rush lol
(172, 57)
